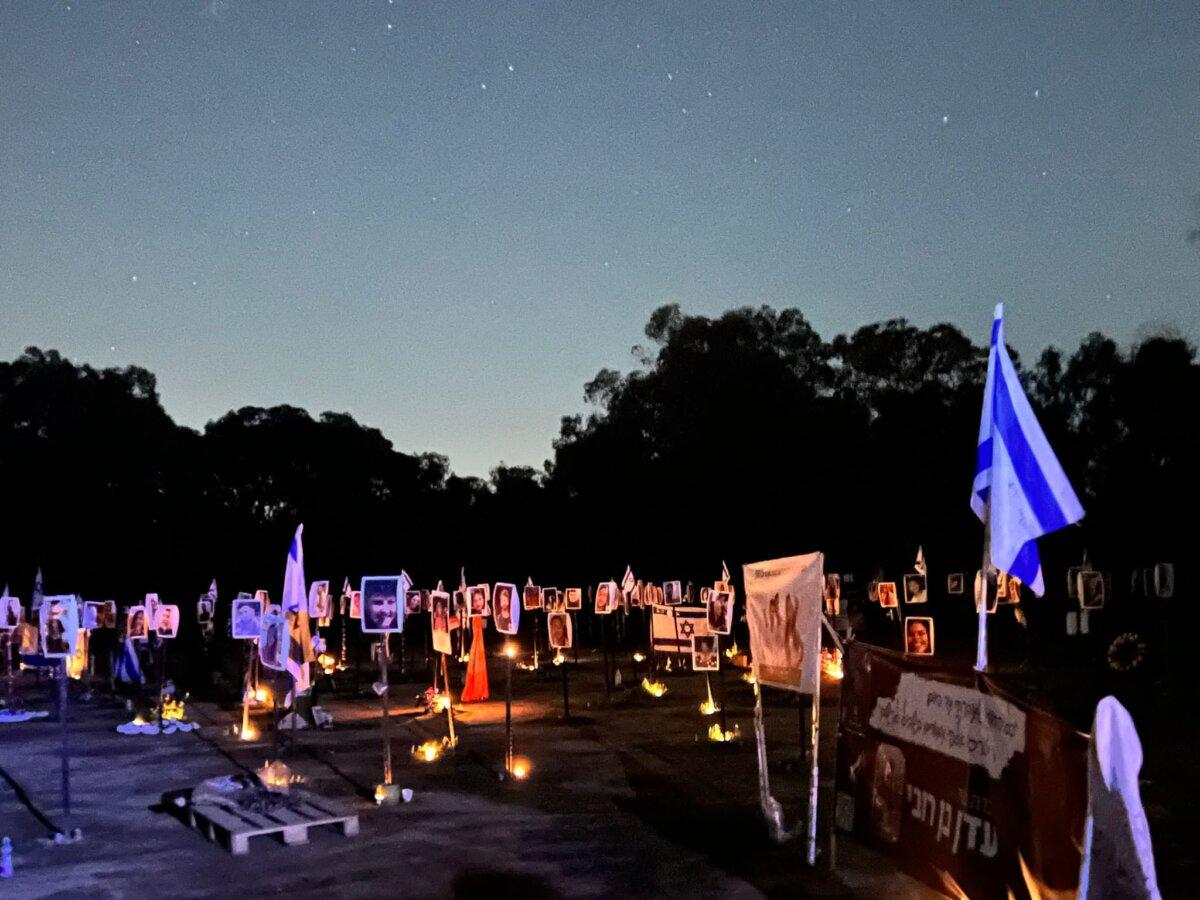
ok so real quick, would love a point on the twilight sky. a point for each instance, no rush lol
(445, 217)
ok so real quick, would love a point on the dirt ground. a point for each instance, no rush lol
(629, 800)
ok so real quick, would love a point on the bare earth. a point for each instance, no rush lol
(633, 801)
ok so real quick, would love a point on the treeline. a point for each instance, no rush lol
(734, 438)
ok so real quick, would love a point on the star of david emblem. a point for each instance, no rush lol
(687, 629)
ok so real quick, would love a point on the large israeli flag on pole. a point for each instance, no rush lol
(1020, 491)
(295, 605)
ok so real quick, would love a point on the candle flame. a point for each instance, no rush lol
(723, 737)
(653, 688)
(831, 664)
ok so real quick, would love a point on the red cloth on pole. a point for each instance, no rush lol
(477, 679)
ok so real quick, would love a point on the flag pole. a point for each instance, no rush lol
(981, 654)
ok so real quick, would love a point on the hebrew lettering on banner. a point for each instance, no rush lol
(967, 787)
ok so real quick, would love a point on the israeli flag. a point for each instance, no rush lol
(1019, 485)
(129, 669)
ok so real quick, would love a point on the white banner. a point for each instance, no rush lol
(783, 609)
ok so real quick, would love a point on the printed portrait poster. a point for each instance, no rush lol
(320, 604)
(506, 609)
(720, 611)
(247, 618)
(784, 598)
(382, 608)
(58, 625)
(1091, 590)
(915, 588)
(274, 640)
(151, 604)
(356, 604)
(439, 616)
(704, 653)
(92, 610)
(635, 595)
(574, 599)
(606, 597)
(204, 609)
(532, 597)
(672, 593)
(833, 594)
(11, 613)
(918, 635)
(886, 590)
(558, 625)
(993, 590)
(426, 601)
(412, 602)
(1164, 580)
(552, 599)
(137, 628)
(109, 617)
(477, 595)
(962, 784)
(954, 583)
(166, 620)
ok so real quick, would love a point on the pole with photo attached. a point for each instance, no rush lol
(449, 701)
(720, 685)
(383, 701)
(510, 651)
(66, 740)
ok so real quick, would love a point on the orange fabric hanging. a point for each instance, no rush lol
(477, 679)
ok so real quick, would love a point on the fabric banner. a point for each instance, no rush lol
(673, 627)
(783, 609)
(968, 788)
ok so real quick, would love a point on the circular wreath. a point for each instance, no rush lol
(1126, 652)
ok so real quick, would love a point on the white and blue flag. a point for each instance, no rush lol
(295, 608)
(1019, 485)
(129, 668)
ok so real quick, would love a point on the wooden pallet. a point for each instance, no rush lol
(228, 824)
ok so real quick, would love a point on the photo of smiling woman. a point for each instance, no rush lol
(918, 636)
(381, 609)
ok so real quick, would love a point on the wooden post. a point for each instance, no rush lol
(383, 700)
(508, 739)
(450, 704)
(162, 676)
(604, 642)
(66, 743)
(566, 694)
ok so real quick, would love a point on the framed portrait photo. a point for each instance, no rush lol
(552, 599)
(412, 602)
(1091, 590)
(558, 626)
(705, 657)
(247, 618)
(918, 635)
(92, 611)
(606, 598)
(58, 626)
(987, 591)
(320, 604)
(11, 613)
(573, 599)
(137, 628)
(887, 594)
(478, 595)
(833, 594)
(720, 612)
(166, 621)
(1164, 580)
(274, 640)
(506, 611)
(531, 597)
(672, 593)
(439, 617)
(382, 609)
(915, 588)
(204, 609)
(954, 583)
(356, 604)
